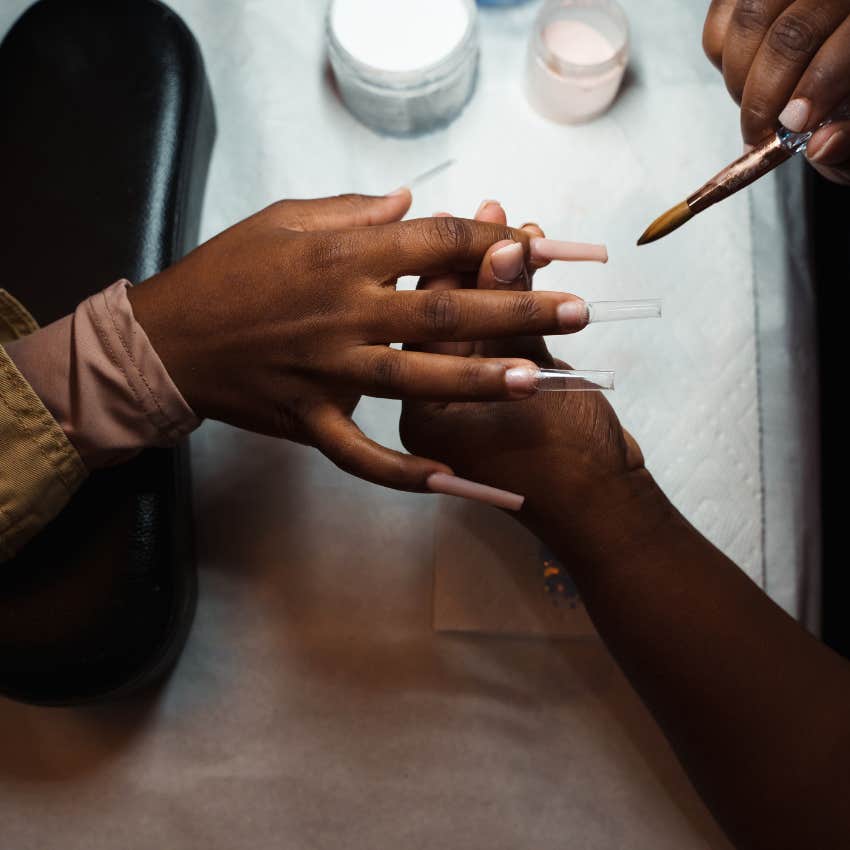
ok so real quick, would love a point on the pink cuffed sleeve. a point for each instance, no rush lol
(99, 376)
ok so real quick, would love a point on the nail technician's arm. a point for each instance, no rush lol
(787, 61)
(757, 710)
(280, 323)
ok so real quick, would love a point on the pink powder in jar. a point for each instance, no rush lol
(574, 69)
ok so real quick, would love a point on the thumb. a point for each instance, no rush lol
(343, 211)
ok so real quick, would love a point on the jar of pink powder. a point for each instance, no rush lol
(577, 56)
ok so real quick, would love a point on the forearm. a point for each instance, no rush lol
(757, 710)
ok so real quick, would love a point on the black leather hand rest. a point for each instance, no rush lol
(106, 128)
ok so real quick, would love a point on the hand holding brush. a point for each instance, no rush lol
(787, 62)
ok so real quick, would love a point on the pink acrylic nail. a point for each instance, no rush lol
(452, 485)
(554, 249)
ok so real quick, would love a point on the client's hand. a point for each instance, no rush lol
(787, 61)
(280, 323)
(565, 452)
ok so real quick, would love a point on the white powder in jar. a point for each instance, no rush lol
(399, 35)
(404, 67)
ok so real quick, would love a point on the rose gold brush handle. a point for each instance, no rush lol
(773, 151)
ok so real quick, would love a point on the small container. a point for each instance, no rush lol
(577, 56)
(404, 67)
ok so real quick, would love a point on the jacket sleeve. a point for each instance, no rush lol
(39, 468)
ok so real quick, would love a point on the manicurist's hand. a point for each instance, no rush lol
(282, 322)
(787, 61)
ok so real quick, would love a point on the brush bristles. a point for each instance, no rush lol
(667, 223)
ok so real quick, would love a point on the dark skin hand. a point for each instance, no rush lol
(756, 709)
(282, 322)
(788, 60)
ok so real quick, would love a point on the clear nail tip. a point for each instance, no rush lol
(618, 311)
(573, 380)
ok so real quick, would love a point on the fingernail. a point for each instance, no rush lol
(795, 116)
(402, 190)
(441, 214)
(572, 315)
(830, 146)
(452, 485)
(554, 249)
(483, 206)
(508, 262)
(618, 311)
(521, 381)
(748, 148)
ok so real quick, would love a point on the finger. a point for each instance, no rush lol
(491, 211)
(529, 347)
(715, 29)
(439, 283)
(468, 314)
(749, 24)
(782, 59)
(343, 211)
(429, 246)
(388, 373)
(536, 232)
(825, 85)
(438, 245)
(503, 267)
(343, 443)
(504, 263)
(829, 151)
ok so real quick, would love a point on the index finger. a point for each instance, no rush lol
(715, 29)
(438, 245)
(430, 246)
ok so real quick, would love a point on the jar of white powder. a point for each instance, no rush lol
(404, 67)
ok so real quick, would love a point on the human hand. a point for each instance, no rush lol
(566, 453)
(280, 323)
(788, 62)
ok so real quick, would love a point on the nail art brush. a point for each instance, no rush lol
(762, 159)
(776, 148)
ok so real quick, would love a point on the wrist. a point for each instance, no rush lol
(159, 319)
(609, 522)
